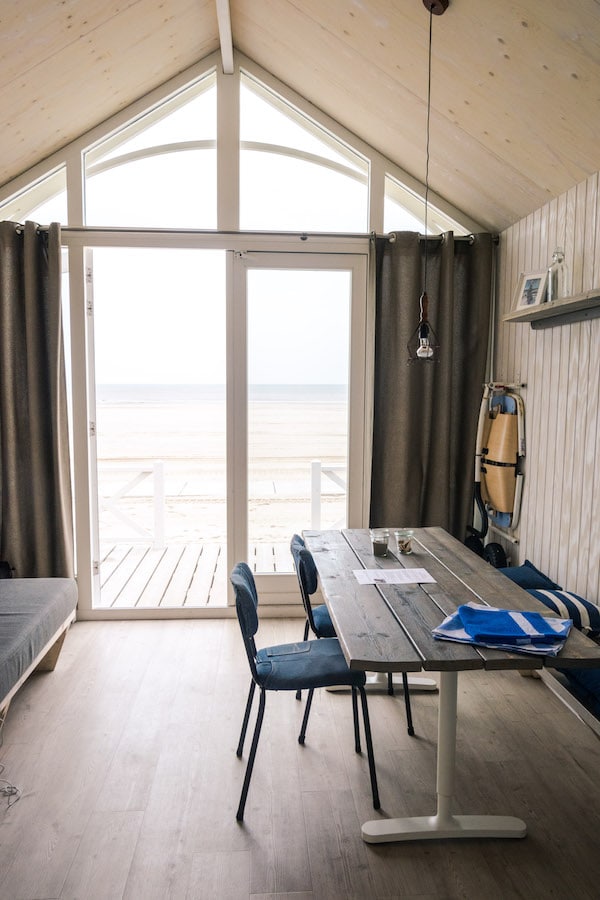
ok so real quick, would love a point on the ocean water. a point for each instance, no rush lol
(139, 394)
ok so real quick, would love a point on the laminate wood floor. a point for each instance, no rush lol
(125, 757)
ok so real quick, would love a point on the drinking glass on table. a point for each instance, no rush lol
(379, 541)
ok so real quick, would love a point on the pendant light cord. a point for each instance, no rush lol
(427, 144)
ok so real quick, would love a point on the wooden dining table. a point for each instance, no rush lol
(388, 628)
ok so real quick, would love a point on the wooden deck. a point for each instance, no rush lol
(177, 575)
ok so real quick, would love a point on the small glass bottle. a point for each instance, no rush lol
(557, 276)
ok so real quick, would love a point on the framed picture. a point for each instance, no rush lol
(531, 290)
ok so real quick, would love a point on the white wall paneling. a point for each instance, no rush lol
(560, 523)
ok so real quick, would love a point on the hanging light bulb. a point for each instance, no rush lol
(423, 344)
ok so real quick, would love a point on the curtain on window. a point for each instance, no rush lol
(425, 413)
(36, 529)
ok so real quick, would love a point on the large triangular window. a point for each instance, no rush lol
(294, 175)
(160, 170)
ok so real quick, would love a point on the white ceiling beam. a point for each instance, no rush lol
(225, 35)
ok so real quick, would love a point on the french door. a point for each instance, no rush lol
(228, 410)
(297, 405)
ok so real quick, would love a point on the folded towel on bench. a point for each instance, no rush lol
(501, 629)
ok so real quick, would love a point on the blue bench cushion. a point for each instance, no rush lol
(584, 683)
(585, 615)
(32, 610)
(528, 577)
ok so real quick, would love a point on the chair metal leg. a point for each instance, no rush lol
(390, 684)
(261, 711)
(409, 721)
(240, 747)
(367, 724)
(309, 699)
(305, 638)
(356, 723)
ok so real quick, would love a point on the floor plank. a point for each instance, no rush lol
(125, 757)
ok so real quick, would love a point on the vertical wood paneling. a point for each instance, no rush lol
(502, 281)
(589, 236)
(552, 380)
(560, 526)
(589, 453)
(594, 554)
(579, 237)
(575, 433)
(596, 262)
(571, 252)
(536, 389)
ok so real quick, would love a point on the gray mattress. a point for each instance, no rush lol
(31, 612)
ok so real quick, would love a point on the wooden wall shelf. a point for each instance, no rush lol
(560, 312)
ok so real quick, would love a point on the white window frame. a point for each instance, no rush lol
(273, 587)
(76, 237)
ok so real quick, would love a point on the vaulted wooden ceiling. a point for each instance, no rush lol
(515, 87)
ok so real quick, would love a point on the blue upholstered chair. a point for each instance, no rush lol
(290, 667)
(318, 619)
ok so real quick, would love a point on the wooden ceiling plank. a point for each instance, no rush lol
(118, 69)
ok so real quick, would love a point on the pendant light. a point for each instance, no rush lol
(423, 345)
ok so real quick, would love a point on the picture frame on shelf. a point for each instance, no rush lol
(531, 290)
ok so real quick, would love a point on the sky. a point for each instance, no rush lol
(160, 319)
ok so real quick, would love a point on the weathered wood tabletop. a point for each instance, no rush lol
(387, 628)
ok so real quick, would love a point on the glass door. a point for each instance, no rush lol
(297, 402)
(158, 441)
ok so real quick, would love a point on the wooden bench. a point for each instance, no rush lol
(35, 614)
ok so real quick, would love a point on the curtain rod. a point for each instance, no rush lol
(301, 235)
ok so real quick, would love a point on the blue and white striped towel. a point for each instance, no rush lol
(501, 629)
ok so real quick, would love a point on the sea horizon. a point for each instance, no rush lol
(135, 394)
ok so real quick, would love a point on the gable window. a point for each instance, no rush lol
(294, 175)
(404, 210)
(161, 167)
(43, 201)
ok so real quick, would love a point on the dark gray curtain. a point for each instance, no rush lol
(36, 528)
(425, 413)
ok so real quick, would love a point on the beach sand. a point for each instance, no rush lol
(186, 431)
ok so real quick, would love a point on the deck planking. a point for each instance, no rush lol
(176, 576)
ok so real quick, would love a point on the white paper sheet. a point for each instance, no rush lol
(393, 576)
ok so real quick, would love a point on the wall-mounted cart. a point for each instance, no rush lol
(499, 459)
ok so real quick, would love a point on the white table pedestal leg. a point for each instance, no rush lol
(444, 824)
(379, 681)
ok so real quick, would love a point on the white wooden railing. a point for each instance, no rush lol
(139, 473)
(317, 471)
